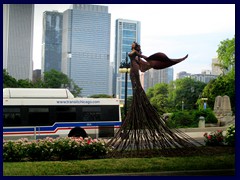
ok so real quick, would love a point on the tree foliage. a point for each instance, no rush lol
(56, 79)
(9, 81)
(100, 96)
(52, 79)
(158, 96)
(224, 84)
(185, 92)
(226, 54)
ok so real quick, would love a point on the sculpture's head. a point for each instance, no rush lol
(136, 46)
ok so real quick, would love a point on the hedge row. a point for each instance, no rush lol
(54, 149)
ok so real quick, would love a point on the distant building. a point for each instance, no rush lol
(52, 41)
(206, 72)
(203, 77)
(18, 40)
(182, 74)
(86, 47)
(152, 77)
(36, 75)
(216, 70)
(127, 31)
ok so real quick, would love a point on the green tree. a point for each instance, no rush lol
(75, 89)
(52, 79)
(55, 79)
(24, 83)
(185, 92)
(9, 81)
(100, 96)
(226, 55)
(158, 96)
(224, 84)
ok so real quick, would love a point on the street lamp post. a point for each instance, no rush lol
(125, 68)
(182, 105)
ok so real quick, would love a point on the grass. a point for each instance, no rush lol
(122, 165)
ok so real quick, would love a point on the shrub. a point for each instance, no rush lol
(181, 119)
(54, 149)
(207, 114)
(214, 138)
(230, 135)
(14, 151)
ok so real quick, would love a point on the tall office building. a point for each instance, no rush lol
(152, 77)
(86, 47)
(52, 41)
(127, 31)
(18, 40)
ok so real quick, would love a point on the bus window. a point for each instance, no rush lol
(91, 113)
(66, 113)
(110, 113)
(11, 116)
(38, 116)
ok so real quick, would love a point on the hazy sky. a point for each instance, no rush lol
(174, 29)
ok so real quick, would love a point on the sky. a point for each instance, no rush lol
(173, 29)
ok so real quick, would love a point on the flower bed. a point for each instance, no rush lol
(230, 135)
(216, 138)
(54, 149)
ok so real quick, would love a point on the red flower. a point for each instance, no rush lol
(89, 141)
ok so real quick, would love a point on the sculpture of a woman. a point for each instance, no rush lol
(143, 127)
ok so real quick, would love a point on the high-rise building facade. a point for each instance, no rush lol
(18, 40)
(86, 47)
(127, 31)
(52, 41)
(152, 77)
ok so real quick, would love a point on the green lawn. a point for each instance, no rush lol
(123, 165)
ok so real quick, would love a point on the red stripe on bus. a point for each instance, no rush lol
(49, 132)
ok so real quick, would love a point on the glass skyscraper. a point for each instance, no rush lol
(18, 40)
(127, 31)
(52, 41)
(86, 48)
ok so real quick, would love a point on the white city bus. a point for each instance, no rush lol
(37, 113)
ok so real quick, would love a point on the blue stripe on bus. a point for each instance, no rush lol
(59, 125)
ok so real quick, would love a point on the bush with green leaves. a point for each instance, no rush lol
(230, 135)
(207, 114)
(181, 119)
(54, 149)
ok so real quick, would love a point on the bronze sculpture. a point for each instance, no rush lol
(143, 128)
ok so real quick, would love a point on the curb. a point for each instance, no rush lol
(218, 172)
